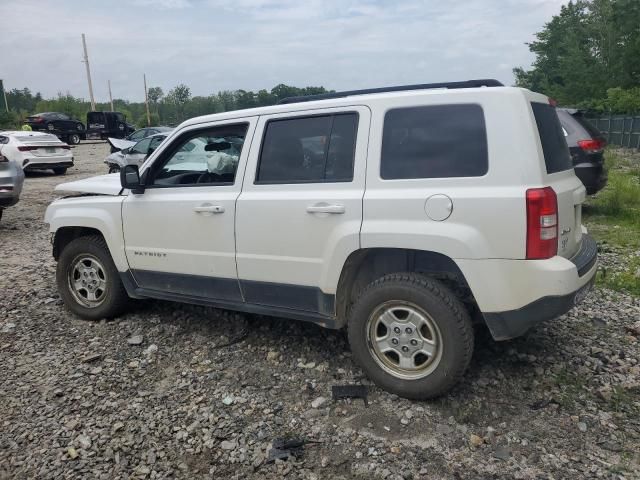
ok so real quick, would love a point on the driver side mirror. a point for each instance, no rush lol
(130, 178)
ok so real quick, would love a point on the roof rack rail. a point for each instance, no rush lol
(489, 82)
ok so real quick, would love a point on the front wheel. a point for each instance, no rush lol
(411, 335)
(74, 139)
(88, 280)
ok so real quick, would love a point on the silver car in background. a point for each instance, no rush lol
(11, 180)
(135, 154)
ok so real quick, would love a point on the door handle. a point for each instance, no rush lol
(208, 208)
(326, 208)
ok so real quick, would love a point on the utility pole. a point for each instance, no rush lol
(6, 105)
(146, 99)
(86, 63)
(110, 97)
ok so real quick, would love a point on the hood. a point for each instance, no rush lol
(119, 143)
(101, 185)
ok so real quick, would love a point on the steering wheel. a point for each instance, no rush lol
(207, 177)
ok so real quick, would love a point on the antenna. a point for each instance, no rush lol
(86, 63)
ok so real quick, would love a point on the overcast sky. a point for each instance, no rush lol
(213, 45)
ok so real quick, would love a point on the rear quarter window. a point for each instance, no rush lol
(554, 146)
(434, 141)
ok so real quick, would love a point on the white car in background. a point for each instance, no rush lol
(36, 151)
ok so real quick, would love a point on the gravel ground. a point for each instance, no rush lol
(173, 391)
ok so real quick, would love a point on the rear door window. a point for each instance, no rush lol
(554, 145)
(315, 149)
(434, 141)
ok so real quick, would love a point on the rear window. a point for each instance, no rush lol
(434, 142)
(593, 131)
(95, 116)
(554, 145)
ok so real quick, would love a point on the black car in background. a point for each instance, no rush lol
(102, 125)
(586, 145)
(63, 126)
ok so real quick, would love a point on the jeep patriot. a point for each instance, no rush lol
(403, 214)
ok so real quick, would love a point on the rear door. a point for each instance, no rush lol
(570, 191)
(300, 211)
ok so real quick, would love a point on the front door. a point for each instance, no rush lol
(300, 210)
(179, 234)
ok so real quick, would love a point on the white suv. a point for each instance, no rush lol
(403, 214)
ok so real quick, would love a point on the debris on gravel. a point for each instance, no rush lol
(135, 340)
(203, 393)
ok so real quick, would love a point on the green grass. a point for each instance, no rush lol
(613, 218)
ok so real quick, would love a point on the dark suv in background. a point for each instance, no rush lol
(586, 145)
(102, 125)
(61, 125)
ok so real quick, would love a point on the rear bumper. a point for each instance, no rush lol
(514, 295)
(515, 323)
(39, 163)
(593, 177)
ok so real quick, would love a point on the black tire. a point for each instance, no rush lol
(60, 170)
(115, 300)
(73, 139)
(114, 168)
(445, 312)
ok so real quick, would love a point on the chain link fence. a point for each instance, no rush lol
(621, 130)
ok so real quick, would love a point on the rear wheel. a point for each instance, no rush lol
(60, 170)
(411, 335)
(88, 280)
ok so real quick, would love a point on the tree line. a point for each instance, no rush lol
(169, 108)
(588, 56)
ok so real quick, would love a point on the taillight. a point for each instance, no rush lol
(542, 223)
(27, 149)
(553, 102)
(591, 145)
(66, 147)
